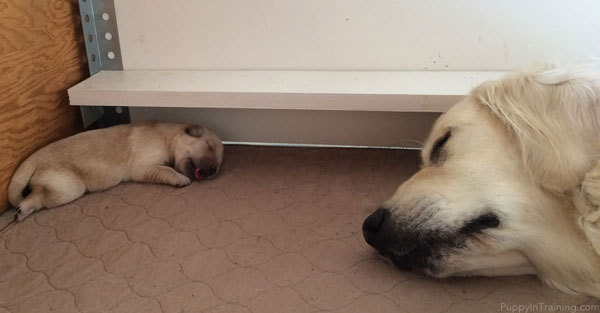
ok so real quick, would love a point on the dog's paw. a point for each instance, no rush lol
(183, 181)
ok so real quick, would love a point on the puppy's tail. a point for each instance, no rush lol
(19, 182)
(587, 202)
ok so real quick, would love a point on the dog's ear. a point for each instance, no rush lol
(195, 130)
(554, 114)
(587, 201)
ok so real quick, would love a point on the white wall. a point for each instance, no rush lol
(355, 34)
(471, 35)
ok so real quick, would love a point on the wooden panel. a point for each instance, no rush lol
(41, 55)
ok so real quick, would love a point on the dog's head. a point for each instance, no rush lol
(455, 216)
(495, 193)
(198, 152)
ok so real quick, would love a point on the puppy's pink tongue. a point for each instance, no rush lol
(198, 174)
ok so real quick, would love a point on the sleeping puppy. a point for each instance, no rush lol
(165, 153)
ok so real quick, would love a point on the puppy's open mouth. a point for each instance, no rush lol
(194, 172)
(200, 171)
(199, 174)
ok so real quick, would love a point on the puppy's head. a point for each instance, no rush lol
(198, 152)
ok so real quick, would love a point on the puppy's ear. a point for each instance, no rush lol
(195, 131)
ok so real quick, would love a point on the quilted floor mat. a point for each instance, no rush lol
(277, 231)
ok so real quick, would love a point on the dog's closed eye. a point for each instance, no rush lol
(437, 151)
(480, 223)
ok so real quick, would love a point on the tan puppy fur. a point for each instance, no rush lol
(95, 160)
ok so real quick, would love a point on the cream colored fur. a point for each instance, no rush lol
(95, 160)
(526, 147)
(555, 115)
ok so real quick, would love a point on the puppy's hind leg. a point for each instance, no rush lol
(50, 189)
(32, 203)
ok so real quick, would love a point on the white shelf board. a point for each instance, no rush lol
(393, 91)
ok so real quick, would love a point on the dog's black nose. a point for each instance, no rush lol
(373, 225)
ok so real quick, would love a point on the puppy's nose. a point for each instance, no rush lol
(373, 225)
(211, 171)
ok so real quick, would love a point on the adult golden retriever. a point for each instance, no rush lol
(509, 184)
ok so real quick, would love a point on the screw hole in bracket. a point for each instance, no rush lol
(101, 37)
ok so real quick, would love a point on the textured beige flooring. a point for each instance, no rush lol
(277, 231)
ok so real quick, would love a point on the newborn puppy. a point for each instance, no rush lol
(165, 153)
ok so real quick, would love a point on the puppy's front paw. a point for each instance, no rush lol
(182, 182)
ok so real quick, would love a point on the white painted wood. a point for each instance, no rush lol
(406, 91)
(465, 35)
(304, 127)
(328, 35)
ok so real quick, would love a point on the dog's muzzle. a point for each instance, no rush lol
(406, 248)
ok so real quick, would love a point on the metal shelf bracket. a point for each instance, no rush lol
(99, 23)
